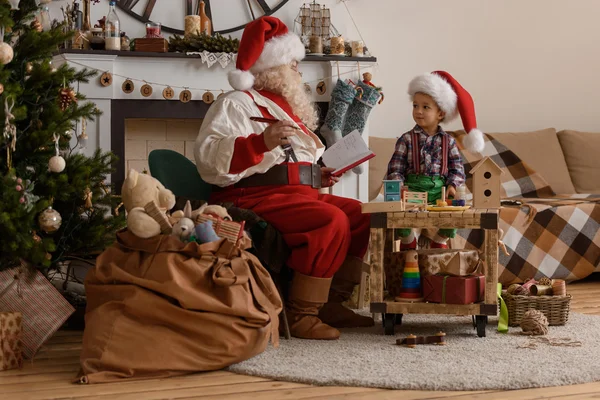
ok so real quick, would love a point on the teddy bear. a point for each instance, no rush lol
(146, 201)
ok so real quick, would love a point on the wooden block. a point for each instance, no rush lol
(155, 45)
(381, 206)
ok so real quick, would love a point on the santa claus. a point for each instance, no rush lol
(271, 168)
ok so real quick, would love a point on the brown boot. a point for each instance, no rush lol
(333, 312)
(306, 297)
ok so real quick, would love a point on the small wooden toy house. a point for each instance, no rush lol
(391, 190)
(486, 184)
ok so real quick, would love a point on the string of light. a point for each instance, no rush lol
(337, 75)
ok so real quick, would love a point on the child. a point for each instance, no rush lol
(427, 158)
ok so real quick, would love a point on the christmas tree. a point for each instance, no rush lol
(54, 200)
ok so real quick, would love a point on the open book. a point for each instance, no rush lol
(347, 153)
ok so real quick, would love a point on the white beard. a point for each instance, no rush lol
(286, 82)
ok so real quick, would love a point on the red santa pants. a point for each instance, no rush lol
(320, 229)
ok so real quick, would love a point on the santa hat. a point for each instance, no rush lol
(453, 99)
(266, 43)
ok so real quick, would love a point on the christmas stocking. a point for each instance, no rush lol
(358, 112)
(341, 97)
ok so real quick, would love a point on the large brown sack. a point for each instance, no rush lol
(158, 307)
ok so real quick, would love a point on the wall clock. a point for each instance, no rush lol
(146, 13)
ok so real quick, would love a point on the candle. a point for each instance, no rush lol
(153, 30)
(358, 48)
(315, 44)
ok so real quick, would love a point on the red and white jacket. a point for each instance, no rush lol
(230, 146)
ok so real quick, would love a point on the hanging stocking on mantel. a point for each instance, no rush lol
(341, 97)
(358, 112)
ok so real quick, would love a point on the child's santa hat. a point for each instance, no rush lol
(453, 99)
(266, 43)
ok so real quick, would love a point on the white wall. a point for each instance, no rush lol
(528, 64)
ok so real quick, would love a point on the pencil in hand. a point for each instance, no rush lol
(269, 121)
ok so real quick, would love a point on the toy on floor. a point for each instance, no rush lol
(204, 233)
(412, 341)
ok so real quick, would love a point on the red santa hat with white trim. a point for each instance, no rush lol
(453, 99)
(266, 43)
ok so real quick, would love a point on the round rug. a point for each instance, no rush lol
(365, 357)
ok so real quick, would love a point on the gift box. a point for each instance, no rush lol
(10, 340)
(431, 262)
(448, 289)
(457, 263)
(42, 307)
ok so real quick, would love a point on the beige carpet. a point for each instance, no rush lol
(366, 357)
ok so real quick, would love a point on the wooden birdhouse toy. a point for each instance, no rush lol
(486, 184)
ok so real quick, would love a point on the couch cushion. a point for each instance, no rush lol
(542, 151)
(383, 149)
(581, 154)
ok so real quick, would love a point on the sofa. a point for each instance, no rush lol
(555, 231)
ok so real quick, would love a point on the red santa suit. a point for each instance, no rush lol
(320, 229)
(324, 232)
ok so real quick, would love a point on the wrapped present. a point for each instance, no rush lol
(43, 308)
(10, 340)
(456, 263)
(448, 289)
(431, 262)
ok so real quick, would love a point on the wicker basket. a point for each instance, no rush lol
(555, 308)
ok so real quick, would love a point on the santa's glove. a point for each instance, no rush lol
(341, 97)
(359, 110)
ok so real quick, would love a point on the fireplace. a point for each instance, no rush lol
(167, 112)
(121, 110)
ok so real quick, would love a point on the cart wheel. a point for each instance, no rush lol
(481, 321)
(389, 323)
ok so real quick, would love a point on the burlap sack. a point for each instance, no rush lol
(158, 307)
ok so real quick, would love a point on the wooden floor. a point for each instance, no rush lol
(49, 377)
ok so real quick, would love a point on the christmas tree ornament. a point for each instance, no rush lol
(29, 67)
(50, 220)
(14, 4)
(185, 96)
(106, 79)
(10, 130)
(66, 97)
(208, 97)
(220, 94)
(36, 237)
(87, 196)
(36, 25)
(48, 256)
(6, 51)
(57, 163)
(83, 137)
(168, 93)
(146, 90)
(128, 86)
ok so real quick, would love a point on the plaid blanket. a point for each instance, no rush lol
(548, 235)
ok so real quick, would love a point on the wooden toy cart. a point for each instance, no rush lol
(385, 217)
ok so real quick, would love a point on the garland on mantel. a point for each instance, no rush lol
(203, 42)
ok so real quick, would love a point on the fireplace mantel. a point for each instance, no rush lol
(180, 71)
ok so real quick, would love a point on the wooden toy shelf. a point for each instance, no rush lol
(385, 217)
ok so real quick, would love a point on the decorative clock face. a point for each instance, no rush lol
(169, 11)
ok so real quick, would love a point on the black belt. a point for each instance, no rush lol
(309, 175)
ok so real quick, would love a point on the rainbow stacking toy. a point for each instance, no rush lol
(411, 279)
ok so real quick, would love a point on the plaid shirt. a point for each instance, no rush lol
(431, 157)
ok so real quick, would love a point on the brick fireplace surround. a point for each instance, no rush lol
(133, 125)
